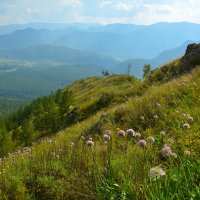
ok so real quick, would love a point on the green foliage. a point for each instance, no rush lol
(8, 105)
(105, 73)
(146, 70)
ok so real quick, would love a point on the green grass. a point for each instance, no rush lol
(54, 169)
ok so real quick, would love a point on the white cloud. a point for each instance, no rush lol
(104, 11)
(70, 3)
(124, 6)
(105, 4)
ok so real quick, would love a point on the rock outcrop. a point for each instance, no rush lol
(192, 57)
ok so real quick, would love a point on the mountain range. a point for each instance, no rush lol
(37, 58)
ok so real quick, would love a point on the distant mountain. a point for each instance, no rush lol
(164, 57)
(141, 42)
(6, 29)
(28, 37)
(116, 40)
(58, 54)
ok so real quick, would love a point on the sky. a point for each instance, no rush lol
(99, 11)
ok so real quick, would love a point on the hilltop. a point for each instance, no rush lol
(81, 149)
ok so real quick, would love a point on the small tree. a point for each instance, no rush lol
(105, 73)
(146, 70)
(129, 69)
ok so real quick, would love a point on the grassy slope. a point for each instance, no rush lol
(53, 169)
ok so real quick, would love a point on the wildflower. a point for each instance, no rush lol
(142, 143)
(150, 139)
(105, 142)
(190, 119)
(155, 116)
(158, 105)
(71, 143)
(90, 143)
(183, 114)
(121, 133)
(162, 133)
(186, 126)
(174, 155)
(108, 132)
(156, 172)
(82, 137)
(137, 135)
(130, 132)
(187, 153)
(142, 117)
(166, 151)
(106, 137)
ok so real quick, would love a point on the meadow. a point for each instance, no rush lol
(141, 144)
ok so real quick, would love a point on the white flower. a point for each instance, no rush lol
(150, 139)
(90, 143)
(155, 116)
(186, 126)
(187, 153)
(156, 172)
(174, 155)
(142, 117)
(190, 119)
(162, 133)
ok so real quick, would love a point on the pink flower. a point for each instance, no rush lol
(106, 137)
(150, 139)
(166, 151)
(130, 132)
(121, 133)
(137, 135)
(142, 143)
(90, 143)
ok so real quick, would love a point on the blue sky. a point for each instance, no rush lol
(99, 11)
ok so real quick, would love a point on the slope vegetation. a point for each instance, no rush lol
(97, 158)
